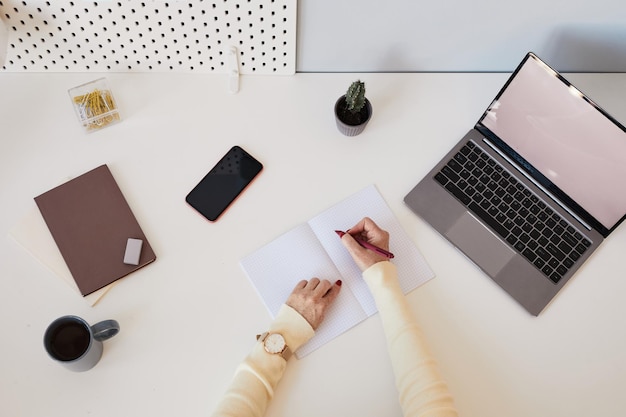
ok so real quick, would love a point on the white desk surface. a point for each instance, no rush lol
(188, 319)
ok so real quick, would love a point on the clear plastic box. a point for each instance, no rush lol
(94, 105)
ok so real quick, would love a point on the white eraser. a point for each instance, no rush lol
(133, 251)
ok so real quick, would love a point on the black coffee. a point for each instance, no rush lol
(69, 340)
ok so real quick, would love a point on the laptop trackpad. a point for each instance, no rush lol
(480, 244)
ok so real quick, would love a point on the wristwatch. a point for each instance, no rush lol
(275, 344)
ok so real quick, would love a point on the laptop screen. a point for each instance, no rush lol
(564, 136)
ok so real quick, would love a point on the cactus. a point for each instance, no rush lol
(355, 96)
(353, 110)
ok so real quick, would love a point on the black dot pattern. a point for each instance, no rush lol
(150, 35)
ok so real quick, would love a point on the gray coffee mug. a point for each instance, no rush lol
(75, 344)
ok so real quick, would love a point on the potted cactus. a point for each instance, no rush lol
(353, 110)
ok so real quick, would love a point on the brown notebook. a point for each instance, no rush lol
(91, 223)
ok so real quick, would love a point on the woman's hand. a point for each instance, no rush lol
(369, 232)
(312, 298)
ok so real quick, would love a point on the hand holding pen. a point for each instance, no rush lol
(367, 243)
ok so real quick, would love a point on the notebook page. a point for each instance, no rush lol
(276, 268)
(412, 267)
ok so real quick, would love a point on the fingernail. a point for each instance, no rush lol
(338, 283)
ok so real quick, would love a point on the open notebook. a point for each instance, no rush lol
(313, 249)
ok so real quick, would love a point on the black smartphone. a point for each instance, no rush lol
(226, 180)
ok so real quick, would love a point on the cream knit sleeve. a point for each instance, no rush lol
(422, 390)
(256, 378)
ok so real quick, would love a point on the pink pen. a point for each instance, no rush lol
(367, 245)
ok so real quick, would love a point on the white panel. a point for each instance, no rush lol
(132, 35)
(458, 35)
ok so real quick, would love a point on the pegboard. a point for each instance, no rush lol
(150, 35)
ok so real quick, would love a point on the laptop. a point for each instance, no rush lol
(534, 188)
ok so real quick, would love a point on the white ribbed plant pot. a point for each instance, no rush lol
(350, 130)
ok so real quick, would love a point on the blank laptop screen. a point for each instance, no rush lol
(569, 140)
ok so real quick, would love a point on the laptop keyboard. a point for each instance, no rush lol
(514, 212)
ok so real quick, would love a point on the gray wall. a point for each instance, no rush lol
(459, 35)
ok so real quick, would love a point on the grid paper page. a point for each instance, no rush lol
(413, 270)
(276, 268)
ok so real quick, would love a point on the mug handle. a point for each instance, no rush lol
(105, 329)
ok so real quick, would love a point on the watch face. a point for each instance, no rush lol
(274, 343)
